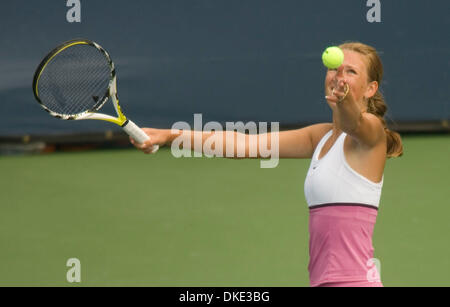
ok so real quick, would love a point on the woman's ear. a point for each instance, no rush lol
(371, 90)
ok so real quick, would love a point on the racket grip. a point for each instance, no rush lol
(138, 134)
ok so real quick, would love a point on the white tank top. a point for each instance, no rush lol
(331, 180)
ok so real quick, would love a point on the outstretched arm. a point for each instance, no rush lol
(299, 143)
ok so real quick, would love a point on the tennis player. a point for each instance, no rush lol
(344, 182)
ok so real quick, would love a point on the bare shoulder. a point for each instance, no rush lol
(318, 131)
(370, 132)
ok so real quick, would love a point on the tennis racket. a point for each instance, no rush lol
(75, 80)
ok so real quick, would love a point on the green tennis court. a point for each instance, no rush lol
(139, 220)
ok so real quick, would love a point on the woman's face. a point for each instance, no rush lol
(354, 72)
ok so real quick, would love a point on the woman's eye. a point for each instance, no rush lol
(352, 71)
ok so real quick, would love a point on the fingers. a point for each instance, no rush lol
(340, 89)
(332, 99)
(146, 147)
(149, 150)
(339, 93)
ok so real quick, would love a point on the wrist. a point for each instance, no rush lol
(171, 134)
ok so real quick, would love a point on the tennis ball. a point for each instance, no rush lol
(333, 57)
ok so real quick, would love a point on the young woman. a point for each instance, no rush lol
(344, 182)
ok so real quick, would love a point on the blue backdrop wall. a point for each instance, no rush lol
(231, 60)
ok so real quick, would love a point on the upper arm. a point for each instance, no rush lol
(369, 131)
(301, 143)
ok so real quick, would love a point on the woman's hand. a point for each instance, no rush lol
(339, 92)
(157, 137)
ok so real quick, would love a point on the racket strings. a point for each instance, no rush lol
(75, 80)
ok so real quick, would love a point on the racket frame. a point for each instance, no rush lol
(131, 128)
(91, 113)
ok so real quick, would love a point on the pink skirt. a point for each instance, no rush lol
(340, 245)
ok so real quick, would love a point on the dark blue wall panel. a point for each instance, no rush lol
(231, 60)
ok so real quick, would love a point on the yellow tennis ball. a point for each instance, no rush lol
(333, 57)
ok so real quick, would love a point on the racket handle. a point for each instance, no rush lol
(137, 133)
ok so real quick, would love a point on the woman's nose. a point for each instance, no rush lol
(339, 75)
(340, 71)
